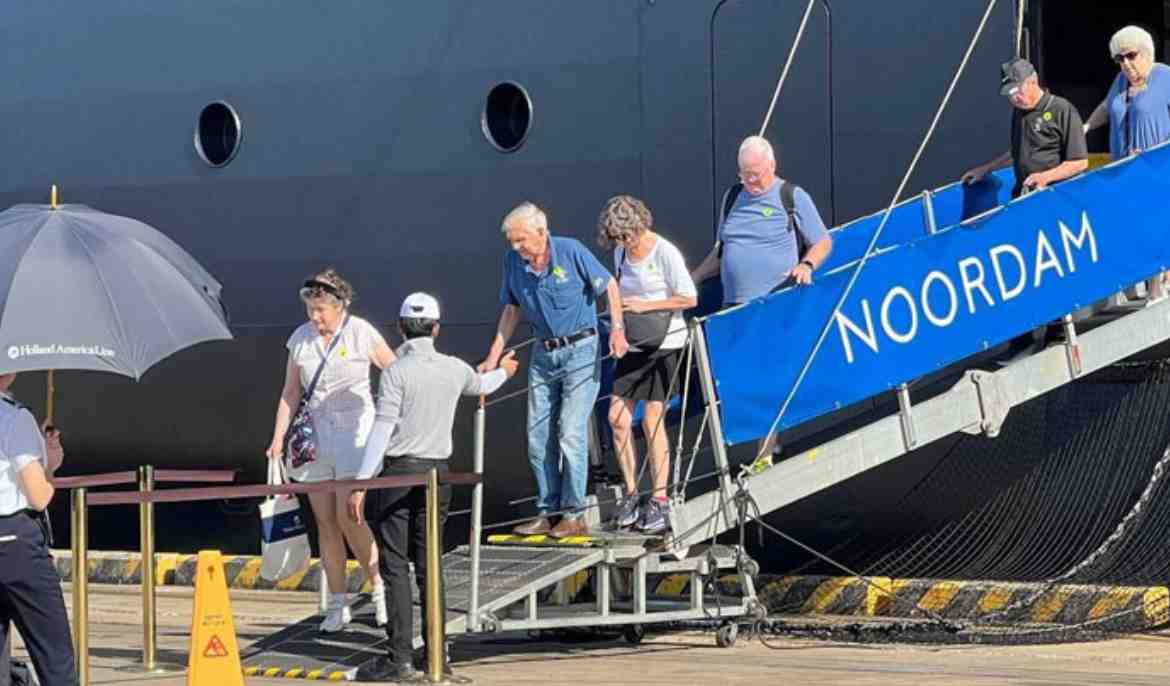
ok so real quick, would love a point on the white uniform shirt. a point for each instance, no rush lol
(344, 386)
(661, 274)
(21, 443)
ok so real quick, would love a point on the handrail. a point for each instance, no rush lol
(131, 477)
(186, 475)
(183, 495)
(90, 480)
(146, 497)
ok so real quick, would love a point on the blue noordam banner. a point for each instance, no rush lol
(930, 302)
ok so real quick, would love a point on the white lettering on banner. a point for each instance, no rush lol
(970, 284)
(866, 336)
(905, 295)
(972, 275)
(32, 349)
(1006, 293)
(1086, 233)
(1043, 247)
(925, 297)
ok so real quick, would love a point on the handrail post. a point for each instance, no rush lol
(476, 518)
(80, 585)
(711, 397)
(146, 545)
(436, 622)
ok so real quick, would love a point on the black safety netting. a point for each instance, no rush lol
(1072, 491)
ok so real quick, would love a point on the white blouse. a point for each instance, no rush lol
(344, 386)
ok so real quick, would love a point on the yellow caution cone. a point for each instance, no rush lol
(215, 655)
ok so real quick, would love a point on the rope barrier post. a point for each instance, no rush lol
(476, 517)
(434, 600)
(146, 545)
(80, 586)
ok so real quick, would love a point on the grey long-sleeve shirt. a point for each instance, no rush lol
(416, 403)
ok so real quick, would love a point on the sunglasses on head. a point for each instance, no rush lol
(315, 288)
(1126, 56)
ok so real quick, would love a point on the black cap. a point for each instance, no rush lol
(1013, 74)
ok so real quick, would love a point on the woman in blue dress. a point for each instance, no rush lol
(1137, 106)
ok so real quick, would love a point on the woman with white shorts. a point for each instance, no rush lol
(342, 412)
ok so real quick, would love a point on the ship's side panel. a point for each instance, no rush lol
(362, 148)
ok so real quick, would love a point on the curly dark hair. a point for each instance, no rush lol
(342, 290)
(622, 217)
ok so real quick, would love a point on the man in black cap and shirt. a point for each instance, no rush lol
(1048, 138)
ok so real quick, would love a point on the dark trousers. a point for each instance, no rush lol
(398, 518)
(30, 597)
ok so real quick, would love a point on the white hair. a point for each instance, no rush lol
(528, 214)
(757, 144)
(1132, 38)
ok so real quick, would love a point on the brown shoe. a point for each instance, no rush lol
(570, 526)
(537, 526)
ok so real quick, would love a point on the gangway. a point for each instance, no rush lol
(511, 580)
(934, 301)
(937, 298)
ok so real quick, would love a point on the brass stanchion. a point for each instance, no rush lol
(146, 546)
(80, 586)
(436, 622)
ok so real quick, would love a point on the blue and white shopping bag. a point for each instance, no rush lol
(284, 540)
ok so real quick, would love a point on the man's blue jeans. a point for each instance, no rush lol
(563, 387)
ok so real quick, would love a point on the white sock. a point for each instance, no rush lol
(378, 585)
(337, 600)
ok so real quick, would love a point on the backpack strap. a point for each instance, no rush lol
(788, 200)
(729, 197)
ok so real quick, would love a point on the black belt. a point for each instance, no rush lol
(551, 344)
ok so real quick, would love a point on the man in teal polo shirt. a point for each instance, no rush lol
(554, 283)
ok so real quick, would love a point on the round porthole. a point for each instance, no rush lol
(217, 135)
(507, 116)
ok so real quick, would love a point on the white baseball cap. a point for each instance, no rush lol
(419, 306)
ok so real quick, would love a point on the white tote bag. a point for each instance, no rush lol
(284, 541)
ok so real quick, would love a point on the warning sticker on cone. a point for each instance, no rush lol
(215, 648)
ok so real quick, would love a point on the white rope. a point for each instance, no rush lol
(885, 218)
(1023, 6)
(787, 66)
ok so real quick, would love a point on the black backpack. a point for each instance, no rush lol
(787, 199)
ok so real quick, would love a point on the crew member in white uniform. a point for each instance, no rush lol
(30, 590)
(342, 413)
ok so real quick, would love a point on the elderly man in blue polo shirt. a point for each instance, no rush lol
(554, 282)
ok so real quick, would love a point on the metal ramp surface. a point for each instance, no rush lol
(507, 574)
(977, 403)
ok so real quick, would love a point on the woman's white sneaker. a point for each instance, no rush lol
(337, 614)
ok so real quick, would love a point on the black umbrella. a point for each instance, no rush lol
(82, 289)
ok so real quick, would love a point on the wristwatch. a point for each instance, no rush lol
(618, 327)
(811, 266)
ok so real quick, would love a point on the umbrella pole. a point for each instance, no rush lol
(50, 398)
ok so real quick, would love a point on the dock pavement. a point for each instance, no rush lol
(688, 658)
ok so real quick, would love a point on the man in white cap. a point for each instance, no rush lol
(412, 434)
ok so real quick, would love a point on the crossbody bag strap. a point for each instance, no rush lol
(321, 367)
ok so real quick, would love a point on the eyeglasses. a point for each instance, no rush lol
(1130, 56)
(750, 176)
(621, 238)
